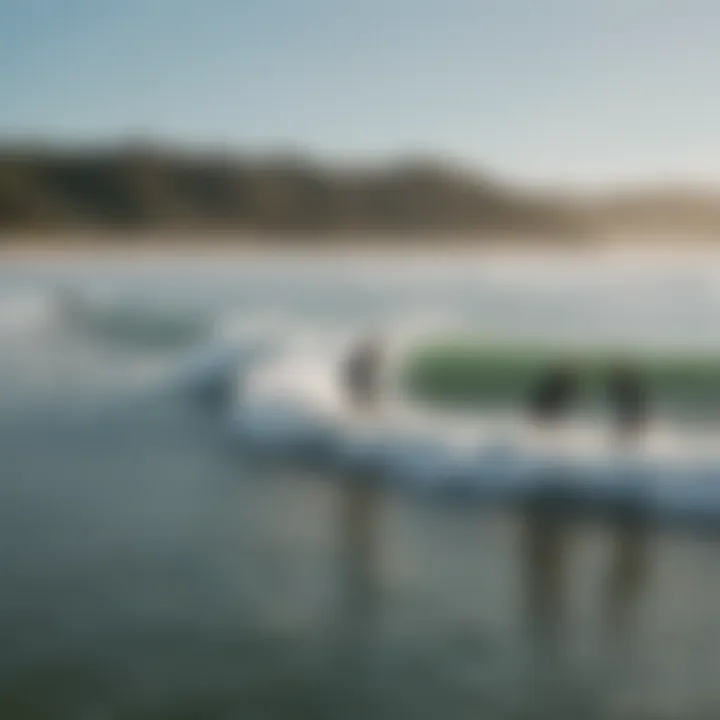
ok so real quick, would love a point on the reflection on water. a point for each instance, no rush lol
(628, 575)
(543, 561)
(359, 538)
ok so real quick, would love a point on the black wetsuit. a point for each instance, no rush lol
(628, 399)
(361, 374)
(553, 395)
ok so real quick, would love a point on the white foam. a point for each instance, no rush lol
(294, 404)
(26, 312)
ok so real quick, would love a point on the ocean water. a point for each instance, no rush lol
(152, 568)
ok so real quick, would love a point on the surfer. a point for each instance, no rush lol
(629, 401)
(544, 525)
(629, 565)
(361, 374)
(551, 398)
(359, 495)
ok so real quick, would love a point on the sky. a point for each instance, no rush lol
(558, 91)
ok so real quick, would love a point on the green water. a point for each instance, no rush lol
(473, 372)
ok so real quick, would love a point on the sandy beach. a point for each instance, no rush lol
(216, 246)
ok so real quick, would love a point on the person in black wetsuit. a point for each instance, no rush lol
(360, 499)
(544, 523)
(628, 399)
(361, 374)
(551, 398)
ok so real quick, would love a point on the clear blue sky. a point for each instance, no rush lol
(537, 89)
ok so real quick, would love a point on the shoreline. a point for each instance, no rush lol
(217, 246)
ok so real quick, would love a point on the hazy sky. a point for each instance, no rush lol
(537, 89)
